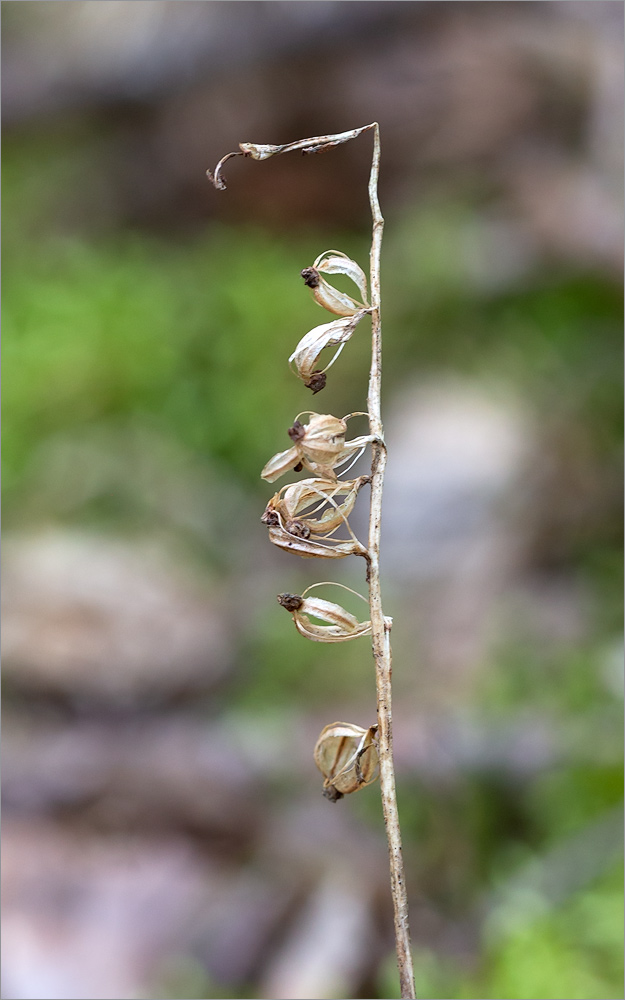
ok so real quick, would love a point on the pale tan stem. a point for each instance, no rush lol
(381, 627)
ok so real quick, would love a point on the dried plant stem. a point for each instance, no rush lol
(380, 628)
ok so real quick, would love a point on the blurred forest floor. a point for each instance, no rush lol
(164, 830)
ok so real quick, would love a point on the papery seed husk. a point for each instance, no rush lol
(339, 264)
(298, 496)
(330, 298)
(324, 438)
(316, 340)
(310, 492)
(328, 633)
(344, 626)
(310, 548)
(280, 464)
(347, 757)
(324, 471)
(328, 611)
(331, 518)
(351, 447)
(320, 448)
(327, 335)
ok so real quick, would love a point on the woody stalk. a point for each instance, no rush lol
(304, 517)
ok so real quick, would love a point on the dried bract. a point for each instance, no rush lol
(347, 756)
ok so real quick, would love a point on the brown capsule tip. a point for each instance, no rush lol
(316, 382)
(298, 528)
(270, 517)
(297, 431)
(290, 601)
(311, 277)
(331, 793)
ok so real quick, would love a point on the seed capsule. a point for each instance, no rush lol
(306, 354)
(347, 756)
(341, 625)
(325, 294)
(319, 445)
(303, 517)
(315, 503)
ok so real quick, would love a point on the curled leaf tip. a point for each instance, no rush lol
(217, 182)
(216, 178)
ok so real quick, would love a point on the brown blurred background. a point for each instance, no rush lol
(164, 830)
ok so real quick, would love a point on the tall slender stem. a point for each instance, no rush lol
(381, 627)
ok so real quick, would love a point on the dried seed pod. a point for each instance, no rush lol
(292, 530)
(325, 294)
(342, 625)
(335, 262)
(347, 756)
(305, 355)
(319, 445)
(314, 503)
(323, 439)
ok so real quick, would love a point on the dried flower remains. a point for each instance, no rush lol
(319, 446)
(304, 516)
(347, 756)
(305, 356)
(341, 625)
(325, 294)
